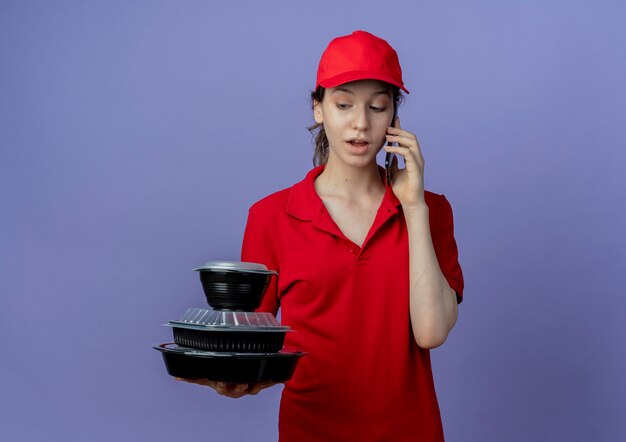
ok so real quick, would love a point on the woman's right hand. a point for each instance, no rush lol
(230, 389)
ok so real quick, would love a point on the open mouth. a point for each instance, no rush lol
(358, 143)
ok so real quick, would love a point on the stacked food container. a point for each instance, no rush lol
(230, 342)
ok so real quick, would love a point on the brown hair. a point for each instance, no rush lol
(320, 155)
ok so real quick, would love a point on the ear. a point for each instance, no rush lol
(318, 114)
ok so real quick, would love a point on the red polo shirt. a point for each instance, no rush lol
(364, 378)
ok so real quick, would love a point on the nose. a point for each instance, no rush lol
(360, 119)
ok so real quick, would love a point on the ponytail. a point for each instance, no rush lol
(320, 154)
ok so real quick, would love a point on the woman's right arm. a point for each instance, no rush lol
(256, 247)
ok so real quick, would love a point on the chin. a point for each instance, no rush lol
(359, 161)
(354, 160)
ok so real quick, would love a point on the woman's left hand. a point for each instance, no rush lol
(407, 183)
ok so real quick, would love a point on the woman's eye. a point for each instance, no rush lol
(378, 109)
(343, 105)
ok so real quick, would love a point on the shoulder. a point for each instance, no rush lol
(272, 203)
(439, 207)
(435, 201)
(275, 201)
(295, 199)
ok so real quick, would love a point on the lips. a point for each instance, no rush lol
(358, 146)
(358, 142)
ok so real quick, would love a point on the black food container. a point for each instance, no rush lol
(234, 285)
(228, 367)
(237, 341)
(227, 331)
(231, 342)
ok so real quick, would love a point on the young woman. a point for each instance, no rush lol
(368, 270)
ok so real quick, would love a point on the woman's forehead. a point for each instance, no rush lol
(368, 87)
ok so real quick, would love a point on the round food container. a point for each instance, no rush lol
(228, 331)
(228, 367)
(234, 285)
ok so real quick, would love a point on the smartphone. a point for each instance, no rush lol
(389, 155)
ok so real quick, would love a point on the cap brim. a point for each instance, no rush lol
(347, 77)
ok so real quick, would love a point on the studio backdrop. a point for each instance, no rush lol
(135, 135)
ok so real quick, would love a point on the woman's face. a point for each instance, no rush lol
(355, 116)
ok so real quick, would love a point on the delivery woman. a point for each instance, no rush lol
(368, 269)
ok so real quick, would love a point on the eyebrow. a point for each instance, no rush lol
(348, 91)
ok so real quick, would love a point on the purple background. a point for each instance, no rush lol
(135, 135)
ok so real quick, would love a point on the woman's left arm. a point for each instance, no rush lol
(432, 302)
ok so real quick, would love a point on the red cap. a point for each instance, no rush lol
(359, 56)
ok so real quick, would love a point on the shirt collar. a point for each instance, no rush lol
(304, 203)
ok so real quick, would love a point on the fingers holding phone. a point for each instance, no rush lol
(407, 183)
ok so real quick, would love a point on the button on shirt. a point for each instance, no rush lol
(364, 377)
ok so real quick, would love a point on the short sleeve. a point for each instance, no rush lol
(446, 249)
(257, 246)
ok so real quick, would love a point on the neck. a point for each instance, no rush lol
(353, 183)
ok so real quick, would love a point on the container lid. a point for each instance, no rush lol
(201, 318)
(235, 266)
(173, 348)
